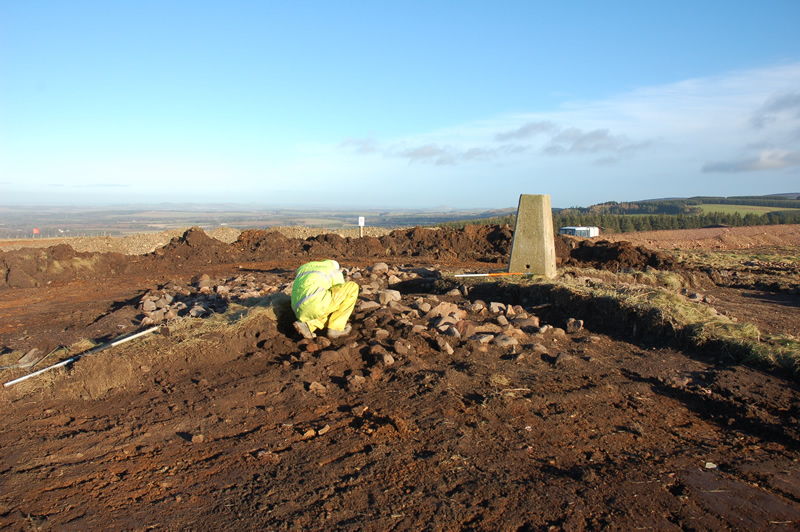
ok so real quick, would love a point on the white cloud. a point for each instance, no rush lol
(696, 126)
(787, 104)
(528, 130)
(770, 159)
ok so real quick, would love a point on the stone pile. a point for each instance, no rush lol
(392, 320)
(203, 297)
(394, 325)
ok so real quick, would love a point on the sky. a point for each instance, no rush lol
(413, 104)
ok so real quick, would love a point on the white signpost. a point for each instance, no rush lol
(360, 226)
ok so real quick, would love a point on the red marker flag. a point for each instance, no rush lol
(35, 231)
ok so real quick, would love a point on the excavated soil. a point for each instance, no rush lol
(452, 405)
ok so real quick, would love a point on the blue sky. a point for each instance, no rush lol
(397, 104)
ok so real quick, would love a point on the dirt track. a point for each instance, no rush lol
(246, 426)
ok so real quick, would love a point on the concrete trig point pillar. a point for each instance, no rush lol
(533, 248)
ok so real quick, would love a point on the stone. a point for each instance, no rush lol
(497, 308)
(402, 347)
(379, 267)
(465, 328)
(482, 338)
(197, 311)
(504, 340)
(527, 324)
(574, 325)
(451, 331)
(538, 349)
(444, 346)
(323, 342)
(563, 358)
(444, 321)
(533, 246)
(317, 388)
(445, 309)
(223, 290)
(477, 306)
(366, 306)
(355, 382)
(399, 307)
(501, 320)
(418, 329)
(385, 296)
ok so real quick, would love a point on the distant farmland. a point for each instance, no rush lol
(743, 210)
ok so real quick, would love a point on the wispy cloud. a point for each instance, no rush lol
(745, 121)
(531, 138)
(770, 159)
(782, 104)
(525, 131)
(102, 185)
(444, 155)
(367, 145)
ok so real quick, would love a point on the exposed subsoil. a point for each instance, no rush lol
(451, 406)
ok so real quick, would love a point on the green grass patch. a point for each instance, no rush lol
(743, 210)
(660, 310)
(730, 259)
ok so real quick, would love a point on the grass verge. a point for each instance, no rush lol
(656, 310)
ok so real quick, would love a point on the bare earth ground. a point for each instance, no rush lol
(241, 424)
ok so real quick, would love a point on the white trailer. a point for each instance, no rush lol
(584, 231)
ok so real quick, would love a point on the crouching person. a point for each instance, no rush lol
(321, 299)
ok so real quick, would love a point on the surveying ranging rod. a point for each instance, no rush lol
(76, 357)
(491, 274)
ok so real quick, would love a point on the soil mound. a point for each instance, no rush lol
(28, 268)
(605, 255)
(258, 242)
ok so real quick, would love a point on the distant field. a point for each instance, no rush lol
(741, 209)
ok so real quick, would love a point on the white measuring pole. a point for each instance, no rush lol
(497, 274)
(76, 357)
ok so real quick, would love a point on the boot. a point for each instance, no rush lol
(339, 334)
(304, 330)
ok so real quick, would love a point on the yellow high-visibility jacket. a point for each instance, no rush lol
(311, 297)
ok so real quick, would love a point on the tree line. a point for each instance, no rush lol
(615, 223)
(618, 223)
(664, 214)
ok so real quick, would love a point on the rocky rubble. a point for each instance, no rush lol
(391, 324)
(202, 297)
